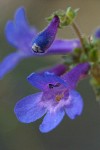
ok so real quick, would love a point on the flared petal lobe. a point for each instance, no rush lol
(42, 81)
(51, 120)
(29, 108)
(20, 18)
(10, 63)
(45, 38)
(76, 105)
(19, 33)
(10, 33)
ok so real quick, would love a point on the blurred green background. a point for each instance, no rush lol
(81, 134)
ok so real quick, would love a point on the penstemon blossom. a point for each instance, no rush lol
(81, 57)
(22, 36)
(58, 97)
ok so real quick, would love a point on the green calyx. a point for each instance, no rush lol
(66, 17)
(96, 88)
(91, 54)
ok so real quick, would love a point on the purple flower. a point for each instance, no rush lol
(45, 38)
(20, 35)
(97, 33)
(58, 97)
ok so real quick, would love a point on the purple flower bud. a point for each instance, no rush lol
(97, 33)
(46, 37)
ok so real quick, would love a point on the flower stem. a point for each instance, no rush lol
(78, 32)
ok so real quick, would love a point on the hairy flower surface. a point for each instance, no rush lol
(20, 35)
(58, 97)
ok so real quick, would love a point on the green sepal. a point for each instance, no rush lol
(83, 58)
(96, 88)
(66, 17)
(71, 13)
(93, 55)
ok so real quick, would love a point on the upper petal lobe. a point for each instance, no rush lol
(42, 81)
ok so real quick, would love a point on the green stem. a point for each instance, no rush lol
(76, 29)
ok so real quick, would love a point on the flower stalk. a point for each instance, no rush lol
(79, 34)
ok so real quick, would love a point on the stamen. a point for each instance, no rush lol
(59, 97)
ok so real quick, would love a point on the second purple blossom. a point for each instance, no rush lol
(20, 34)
